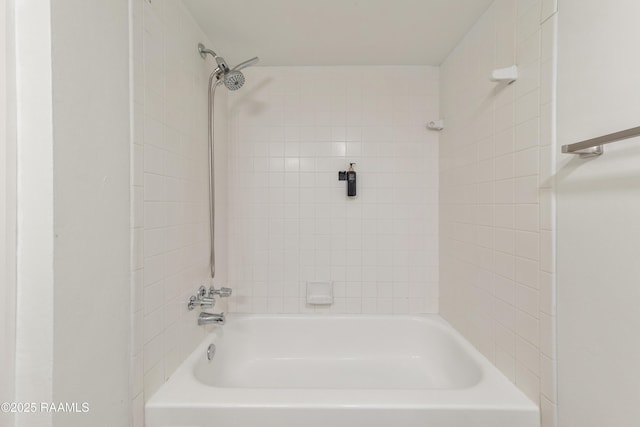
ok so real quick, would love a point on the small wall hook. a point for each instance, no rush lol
(436, 125)
(509, 74)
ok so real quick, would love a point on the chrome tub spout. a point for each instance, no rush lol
(211, 318)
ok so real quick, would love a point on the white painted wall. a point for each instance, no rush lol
(291, 130)
(7, 209)
(91, 145)
(496, 204)
(72, 127)
(598, 211)
(34, 323)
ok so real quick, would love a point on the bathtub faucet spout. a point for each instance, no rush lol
(211, 318)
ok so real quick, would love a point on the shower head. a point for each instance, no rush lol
(233, 79)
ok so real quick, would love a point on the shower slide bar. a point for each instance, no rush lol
(595, 146)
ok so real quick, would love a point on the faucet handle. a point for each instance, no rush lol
(202, 292)
(202, 299)
(222, 292)
(203, 302)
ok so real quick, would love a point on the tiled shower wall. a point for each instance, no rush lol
(291, 130)
(497, 274)
(170, 243)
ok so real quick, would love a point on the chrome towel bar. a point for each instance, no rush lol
(594, 147)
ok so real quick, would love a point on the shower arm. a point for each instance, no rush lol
(212, 180)
(222, 65)
(204, 51)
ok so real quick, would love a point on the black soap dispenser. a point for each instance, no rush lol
(351, 181)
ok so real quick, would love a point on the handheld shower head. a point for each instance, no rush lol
(233, 79)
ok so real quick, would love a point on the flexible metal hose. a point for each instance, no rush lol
(212, 180)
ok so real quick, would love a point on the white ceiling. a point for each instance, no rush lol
(336, 32)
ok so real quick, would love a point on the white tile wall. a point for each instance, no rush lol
(291, 130)
(497, 206)
(169, 194)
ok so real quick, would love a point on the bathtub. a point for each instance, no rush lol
(338, 371)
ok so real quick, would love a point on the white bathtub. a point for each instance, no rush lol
(338, 371)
